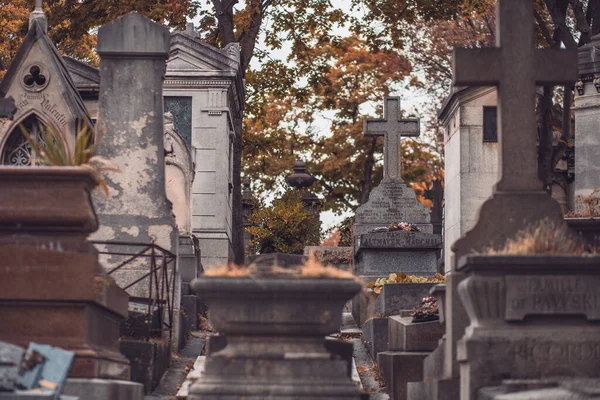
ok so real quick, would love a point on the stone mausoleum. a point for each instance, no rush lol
(204, 91)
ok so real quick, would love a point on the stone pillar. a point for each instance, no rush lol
(130, 128)
(587, 123)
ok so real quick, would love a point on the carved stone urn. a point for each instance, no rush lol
(275, 328)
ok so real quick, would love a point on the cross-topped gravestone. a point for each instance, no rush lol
(392, 128)
(516, 66)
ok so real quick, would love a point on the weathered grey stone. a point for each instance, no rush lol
(375, 335)
(10, 358)
(587, 141)
(364, 306)
(275, 330)
(545, 389)
(340, 257)
(433, 365)
(378, 263)
(439, 293)
(405, 335)
(501, 292)
(391, 201)
(392, 128)
(189, 264)
(401, 296)
(130, 121)
(212, 82)
(399, 368)
(445, 389)
(102, 389)
(518, 200)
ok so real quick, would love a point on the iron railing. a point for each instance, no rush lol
(161, 286)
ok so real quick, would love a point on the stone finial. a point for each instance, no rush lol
(247, 196)
(300, 178)
(39, 16)
(131, 36)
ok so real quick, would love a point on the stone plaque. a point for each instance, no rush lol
(543, 357)
(388, 203)
(399, 239)
(552, 295)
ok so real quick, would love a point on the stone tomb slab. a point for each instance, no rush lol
(375, 335)
(399, 368)
(396, 297)
(405, 335)
(390, 202)
(379, 254)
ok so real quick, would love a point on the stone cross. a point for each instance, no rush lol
(392, 128)
(436, 195)
(515, 66)
(7, 108)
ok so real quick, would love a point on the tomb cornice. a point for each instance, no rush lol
(461, 96)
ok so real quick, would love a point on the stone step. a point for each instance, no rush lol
(398, 368)
(445, 389)
(375, 335)
(433, 365)
(405, 335)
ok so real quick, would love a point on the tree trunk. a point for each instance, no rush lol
(545, 153)
(368, 178)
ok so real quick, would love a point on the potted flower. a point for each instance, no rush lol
(275, 315)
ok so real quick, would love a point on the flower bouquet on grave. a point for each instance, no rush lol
(402, 277)
(397, 226)
(428, 311)
(404, 226)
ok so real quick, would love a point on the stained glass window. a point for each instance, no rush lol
(181, 108)
(17, 152)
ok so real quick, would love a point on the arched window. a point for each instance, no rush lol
(17, 152)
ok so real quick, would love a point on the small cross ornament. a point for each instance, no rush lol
(392, 128)
(515, 66)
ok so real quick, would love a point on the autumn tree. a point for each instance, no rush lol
(284, 227)
(344, 75)
(72, 23)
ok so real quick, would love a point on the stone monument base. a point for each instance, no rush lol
(379, 254)
(298, 375)
(103, 389)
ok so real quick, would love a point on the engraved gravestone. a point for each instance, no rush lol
(378, 254)
(531, 316)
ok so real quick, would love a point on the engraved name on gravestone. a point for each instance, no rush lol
(574, 357)
(552, 295)
(390, 239)
(392, 201)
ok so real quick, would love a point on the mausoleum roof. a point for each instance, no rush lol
(37, 33)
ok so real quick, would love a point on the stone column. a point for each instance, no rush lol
(587, 123)
(130, 130)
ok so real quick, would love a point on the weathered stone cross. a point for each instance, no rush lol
(391, 127)
(515, 66)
